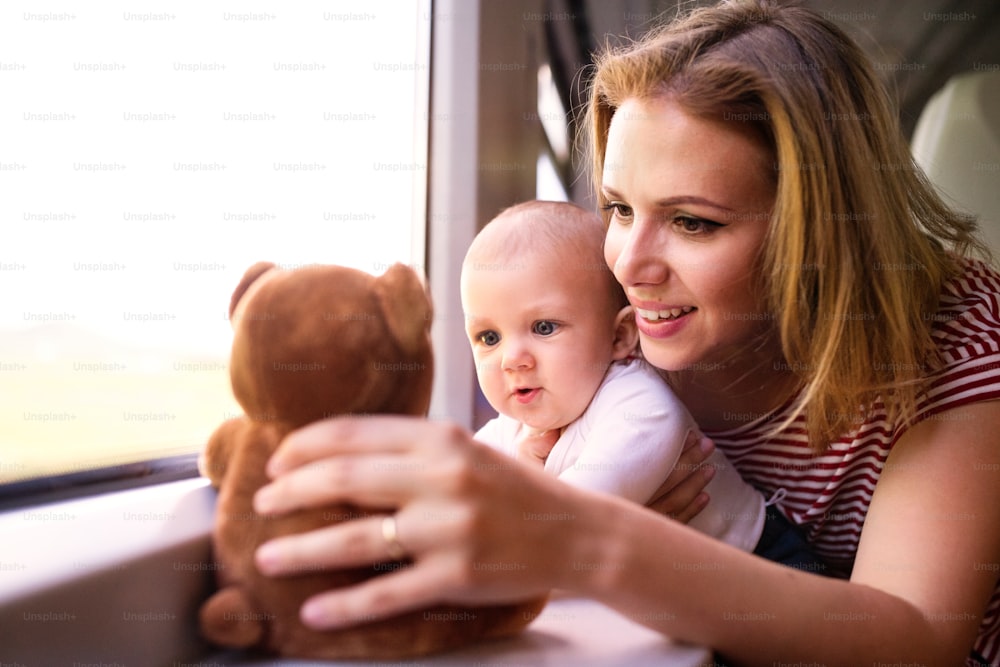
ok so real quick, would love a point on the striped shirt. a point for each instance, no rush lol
(829, 493)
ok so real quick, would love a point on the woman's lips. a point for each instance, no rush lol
(662, 322)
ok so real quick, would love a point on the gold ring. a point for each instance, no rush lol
(391, 537)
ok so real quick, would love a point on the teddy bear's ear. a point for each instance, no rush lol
(252, 274)
(404, 301)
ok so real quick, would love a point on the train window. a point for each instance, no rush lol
(148, 158)
(554, 165)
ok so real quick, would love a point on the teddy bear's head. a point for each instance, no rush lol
(321, 341)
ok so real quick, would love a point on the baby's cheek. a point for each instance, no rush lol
(490, 382)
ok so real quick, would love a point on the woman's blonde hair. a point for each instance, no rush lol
(859, 244)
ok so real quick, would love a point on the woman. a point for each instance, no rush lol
(807, 296)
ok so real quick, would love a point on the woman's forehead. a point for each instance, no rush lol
(656, 145)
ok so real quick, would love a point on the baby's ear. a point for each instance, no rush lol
(251, 275)
(626, 334)
(405, 304)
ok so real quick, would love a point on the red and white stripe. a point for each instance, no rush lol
(829, 493)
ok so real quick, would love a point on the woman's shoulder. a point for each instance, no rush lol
(976, 281)
(966, 324)
(966, 330)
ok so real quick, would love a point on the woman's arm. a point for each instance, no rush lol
(916, 593)
(920, 583)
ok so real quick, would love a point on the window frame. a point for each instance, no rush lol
(94, 481)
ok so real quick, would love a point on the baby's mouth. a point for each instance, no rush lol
(668, 314)
(526, 394)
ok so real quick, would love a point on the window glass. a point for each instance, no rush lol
(554, 156)
(548, 184)
(150, 154)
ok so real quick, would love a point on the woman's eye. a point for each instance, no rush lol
(489, 338)
(617, 209)
(691, 225)
(544, 328)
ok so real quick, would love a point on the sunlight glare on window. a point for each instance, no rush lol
(147, 158)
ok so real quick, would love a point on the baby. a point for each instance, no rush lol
(554, 341)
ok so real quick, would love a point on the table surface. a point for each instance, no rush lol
(569, 631)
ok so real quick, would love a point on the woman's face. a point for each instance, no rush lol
(689, 204)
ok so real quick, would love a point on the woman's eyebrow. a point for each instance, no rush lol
(690, 199)
(674, 201)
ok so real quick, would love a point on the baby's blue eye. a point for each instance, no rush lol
(489, 338)
(544, 327)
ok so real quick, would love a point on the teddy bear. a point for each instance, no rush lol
(310, 343)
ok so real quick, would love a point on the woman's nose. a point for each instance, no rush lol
(641, 257)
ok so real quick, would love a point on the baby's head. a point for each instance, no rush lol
(543, 312)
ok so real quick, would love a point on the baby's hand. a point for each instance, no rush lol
(534, 446)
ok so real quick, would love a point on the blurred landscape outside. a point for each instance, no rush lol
(146, 160)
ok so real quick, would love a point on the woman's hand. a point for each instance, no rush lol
(478, 526)
(682, 495)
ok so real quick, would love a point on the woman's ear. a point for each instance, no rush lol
(626, 334)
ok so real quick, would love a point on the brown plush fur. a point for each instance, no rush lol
(312, 343)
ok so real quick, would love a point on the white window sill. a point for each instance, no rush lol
(116, 580)
(569, 631)
(111, 579)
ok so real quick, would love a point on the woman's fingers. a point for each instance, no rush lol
(360, 542)
(372, 481)
(407, 589)
(682, 495)
(374, 462)
(698, 502)
(387, 434)
(350, 544)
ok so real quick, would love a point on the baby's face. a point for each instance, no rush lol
(542, 337)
